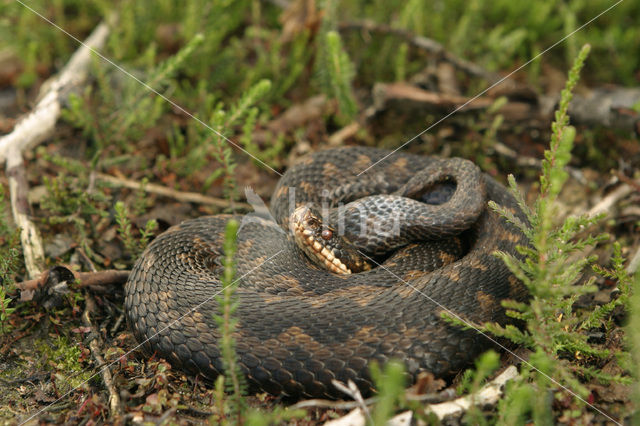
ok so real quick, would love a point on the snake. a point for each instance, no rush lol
(317, 301)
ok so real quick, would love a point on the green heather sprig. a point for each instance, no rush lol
(227, 323)
(390, 384)
(134, 245)
(633, 338)
(334, 70)
(551, 270)
(126, 108)
(473, 379)
(9, 263)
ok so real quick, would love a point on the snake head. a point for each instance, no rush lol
(323, 245)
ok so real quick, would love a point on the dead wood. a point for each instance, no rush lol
(610, 200)
(37, 125)
(57, 279)
(611, 107)
(31, 130)
(608, 107)
(488, 395)
(403, 96)
(187, 197)
(95, 346)
(32, 249)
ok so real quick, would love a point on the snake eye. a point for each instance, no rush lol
(327, 234)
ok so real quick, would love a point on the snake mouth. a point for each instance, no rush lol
(310, 235)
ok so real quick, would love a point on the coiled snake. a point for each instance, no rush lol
(300, 325)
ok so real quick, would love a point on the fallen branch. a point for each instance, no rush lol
(611, 107)
(187, 197)
(403, 95)
(606, 204)
(96, 351)
(32, 249)
(531, 162)
(430, 398)
(489, 395)
(352, 390)
(59, 276)
(31, 130)
(337, 139)
(36, 126)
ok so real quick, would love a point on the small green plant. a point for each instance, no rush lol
(552, 326)
(5, 311)
(64, 358)
(401, 62)
(242, 111)
(334, 69)
(633, 335)
(601, 314)
(9, 264)
(73, 198)
(70, 195)
(228, 304)
(124, 109)
(275, 416)
(341, 73)
(390, 383)
(134, 246)
(471, 381)
(487, 124)
(233, 381)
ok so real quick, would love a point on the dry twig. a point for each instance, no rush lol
(32, 249)
(31, 130)
(36, 126)
(606, 204)
(187, 197)
(488, 395)
(96, 281)
(96, 350)
(352, 390)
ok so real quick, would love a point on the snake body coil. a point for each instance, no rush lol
(301, 326)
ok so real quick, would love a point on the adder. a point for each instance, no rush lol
(319, 300)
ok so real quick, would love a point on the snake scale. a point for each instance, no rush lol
(300, 325)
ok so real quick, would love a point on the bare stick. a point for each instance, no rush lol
(352, 390)
(606, 204)
(96, 281)
(187, 197)
(488, 395)
(531, 162)
(430, 398)
(29, 237)
(338, 138)
(96, 351)
(32, 130)
(36, 126)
